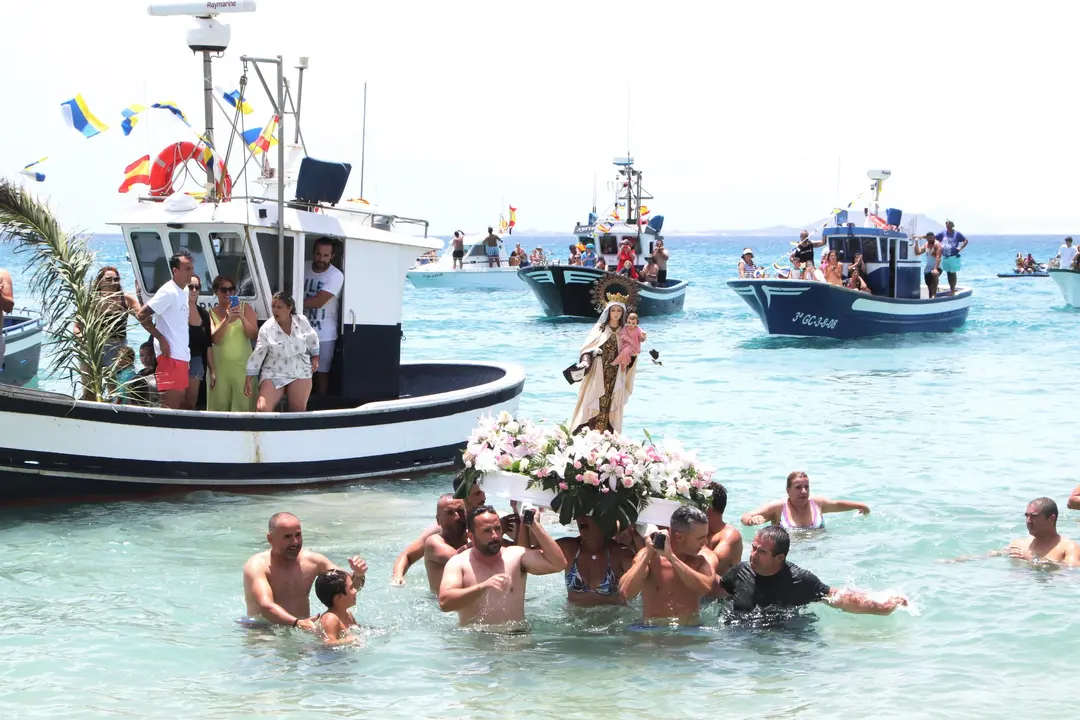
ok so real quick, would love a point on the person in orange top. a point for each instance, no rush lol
(627, 253)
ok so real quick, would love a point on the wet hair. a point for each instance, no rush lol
(477, 512)
(794, 475)
(221, 280)
(181, 254)
(329, 585)
(686, 517)
(101, 274)
(287, 299)
(323, 241)
(719, 497)
(1045, 507)
(272, 525)
(779, 536)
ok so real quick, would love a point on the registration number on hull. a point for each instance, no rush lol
(815, 321)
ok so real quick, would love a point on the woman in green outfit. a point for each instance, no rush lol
(233, 326)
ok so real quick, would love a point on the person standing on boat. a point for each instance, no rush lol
(804, 249)
(800, 511)
(7, 304)
(660, 256)
(606, 385)
(1066, 254)
(952, 243)
(322, 304)
(277, 582)
(485, 584)
(116, 306)
(491, 248)
(165, 317)
(459, 250)
(233, 327)
(932, 267)
(199, 343)
(674, 576)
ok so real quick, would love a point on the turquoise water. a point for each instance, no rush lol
(126, 609)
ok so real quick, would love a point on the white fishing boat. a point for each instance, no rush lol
(23, 333)
(1068, 281)
(381, 416)
(475, 273)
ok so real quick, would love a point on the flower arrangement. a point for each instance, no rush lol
(605, 475)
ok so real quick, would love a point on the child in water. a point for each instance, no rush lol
(630, 337)
(335, 589)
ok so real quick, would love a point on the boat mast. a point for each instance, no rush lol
(208, 119)
(363, 143)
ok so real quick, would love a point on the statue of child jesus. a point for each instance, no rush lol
(630, 338)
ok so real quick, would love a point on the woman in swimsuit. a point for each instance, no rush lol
(800, 511)
(595, 566)
(834, 271)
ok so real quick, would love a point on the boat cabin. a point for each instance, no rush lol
(264, 251)
(609, 243)
(892, 268)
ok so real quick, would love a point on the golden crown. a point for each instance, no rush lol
(617, 297)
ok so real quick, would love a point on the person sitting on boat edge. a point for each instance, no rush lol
(857, 275)
(335, 590)
(144, 390)
(595, 564)
(485, 585)
(833, 269)
(747, 268)
(952, 243)
(491, 249)
(601, 263)
(651, 272)
(800, 511)
(277, 581)
(932, 266)
(769, 580)
(126, 377)
(285, 356)
(537, 257)
(673, 572)
(523, 256)
(165, 317)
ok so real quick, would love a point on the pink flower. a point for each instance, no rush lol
(505, 461)
(577, 464)
(580, 477)
(604, 489)
(591, 477)
(563, 486)
(698, 484)
(628, 482)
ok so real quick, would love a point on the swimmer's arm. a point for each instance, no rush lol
(1074, 499)
(634, 579)
(853, 601)
(764, 514)
(548, 558)
(437, 551)
(700, 581)
(833, 506)
(256, 582)
(410, 555)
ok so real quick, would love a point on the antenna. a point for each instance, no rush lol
(363, 143)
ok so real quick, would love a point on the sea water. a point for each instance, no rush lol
(127, 608)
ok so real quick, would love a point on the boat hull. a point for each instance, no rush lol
(1024, 275)
(574, 291)
(815, 309)
(22, 349)
(1068, 281)
(504, 278)
(55, 447)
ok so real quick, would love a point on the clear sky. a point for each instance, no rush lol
(740, 112)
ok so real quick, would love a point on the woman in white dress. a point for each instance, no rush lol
(605, 386)
(285, 356)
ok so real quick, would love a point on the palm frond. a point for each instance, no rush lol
(61, 266)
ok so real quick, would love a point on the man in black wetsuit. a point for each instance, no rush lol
(769, 580)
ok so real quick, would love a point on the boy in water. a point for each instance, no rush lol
(630, 337)
(335, 589)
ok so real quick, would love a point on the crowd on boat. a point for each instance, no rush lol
(245, 367)
(654, 272)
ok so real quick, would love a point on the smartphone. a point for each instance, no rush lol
(659, 539)
(529, 516)
(234, 301)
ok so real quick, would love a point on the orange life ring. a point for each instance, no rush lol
(164, 166)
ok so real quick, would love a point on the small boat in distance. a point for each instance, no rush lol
(23, 334)
(897, 301)
(475, 272)
(566, 290)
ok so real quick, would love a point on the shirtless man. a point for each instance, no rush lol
(486, 584)
(725, 540)
(673, 580)
(1045, 544)
(445, 544)
(1074, 499)
(277, 582)
(415, 550)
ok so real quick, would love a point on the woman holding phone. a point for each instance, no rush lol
(285, 357)
(233, 326)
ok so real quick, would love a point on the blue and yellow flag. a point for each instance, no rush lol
(171, 107)
(234, 99)
(78, 116)
(37, 176)
(130, 114)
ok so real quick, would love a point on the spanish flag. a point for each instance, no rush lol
(265, 139)
(137, 173)
(513, 218)
(78, 116)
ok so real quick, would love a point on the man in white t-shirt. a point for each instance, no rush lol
(1066, 253)
(322, 301)
(169, 328)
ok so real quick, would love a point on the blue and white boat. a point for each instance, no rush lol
(22, 334)
(897, 301)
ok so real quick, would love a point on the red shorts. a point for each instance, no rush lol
(171, 374)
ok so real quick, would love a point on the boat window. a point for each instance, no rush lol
(852, 247)
(609, 245)
(193, 243)
(231, 261)
(268, 247)
(903, 245)
(150, 258)
(870, 250)
(478, 250)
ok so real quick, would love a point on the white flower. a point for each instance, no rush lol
(512, 427)
(486, 461)
(505, 417)
(682, 487)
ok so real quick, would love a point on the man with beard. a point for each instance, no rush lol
(415, 550)
(486, 584)
(322, 299)
(277, 582)
(674, 576)
(443, 545)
